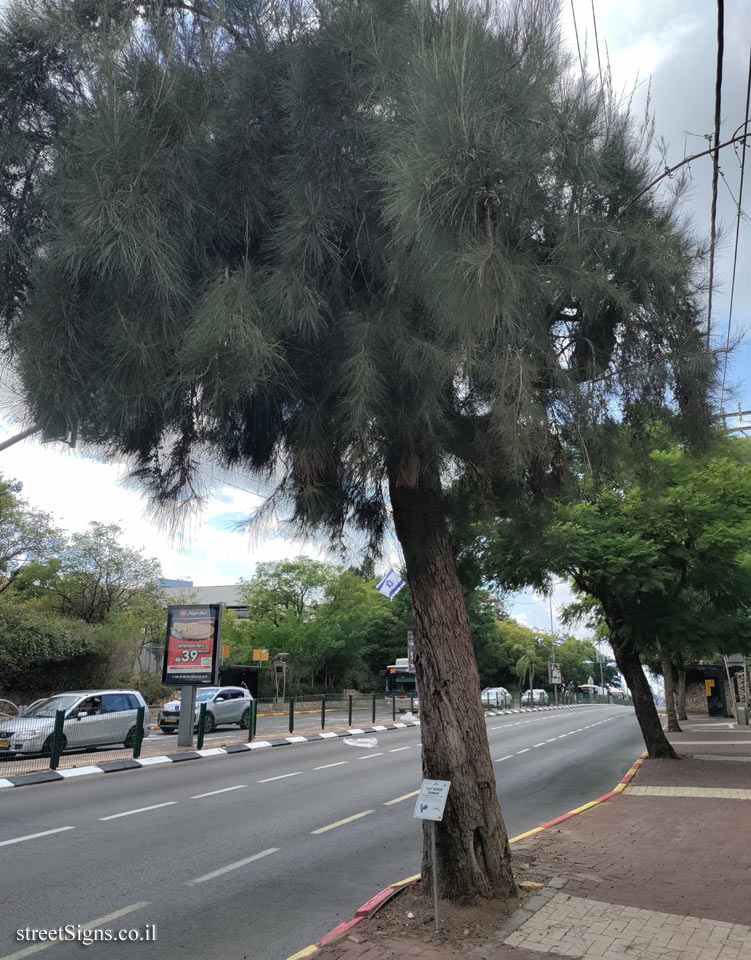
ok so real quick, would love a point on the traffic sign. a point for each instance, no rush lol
(431, 800)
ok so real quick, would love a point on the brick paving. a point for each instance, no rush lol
(651, 874)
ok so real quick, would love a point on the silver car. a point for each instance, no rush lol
(92, 718)
(223, 705)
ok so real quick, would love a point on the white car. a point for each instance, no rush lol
(537, 698)
(223, 705)
(497, 697)
(92, 718)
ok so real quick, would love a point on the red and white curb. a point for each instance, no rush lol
(115, 766)
(372, 906)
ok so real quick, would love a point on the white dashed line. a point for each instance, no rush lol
(501, 759)
(369, 756)
(213, 793)
(326, 766)
(282, 776)
(525, 750)
(234, 866)
(129, 813)
(399, 749)
(33, 836)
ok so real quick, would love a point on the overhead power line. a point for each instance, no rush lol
(716, 156)
(747, 118)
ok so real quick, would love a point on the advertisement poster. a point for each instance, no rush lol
(190, 656)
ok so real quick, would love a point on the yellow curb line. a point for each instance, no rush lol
(619, 788)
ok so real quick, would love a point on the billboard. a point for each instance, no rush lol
(191, 652)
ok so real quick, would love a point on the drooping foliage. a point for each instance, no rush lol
(314, 244)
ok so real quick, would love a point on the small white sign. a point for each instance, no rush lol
(431, 801)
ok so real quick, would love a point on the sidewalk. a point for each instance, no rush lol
(660, 872)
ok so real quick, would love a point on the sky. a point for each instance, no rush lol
(662, 52)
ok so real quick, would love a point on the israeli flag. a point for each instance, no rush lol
(559, 641)
(391, 584)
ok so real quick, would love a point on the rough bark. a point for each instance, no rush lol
(682, 690)
(474, 858)
(628, 662)
(667, 676)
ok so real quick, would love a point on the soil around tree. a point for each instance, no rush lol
(464, 925)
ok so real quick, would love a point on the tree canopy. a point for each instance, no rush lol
(360, 248)
(661, 555)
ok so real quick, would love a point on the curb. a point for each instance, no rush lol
(372, 906)
(115, 766)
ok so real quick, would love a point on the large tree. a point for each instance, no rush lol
(661, 554)
(363, 248)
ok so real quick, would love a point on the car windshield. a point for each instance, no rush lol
(203, 695)
(48, 707)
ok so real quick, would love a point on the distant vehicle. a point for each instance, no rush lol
(401, 685)
(497, 697)
(223, 705)
(590, 689)
(536, 698)
(92, 718)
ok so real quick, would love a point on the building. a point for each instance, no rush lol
(184, 591)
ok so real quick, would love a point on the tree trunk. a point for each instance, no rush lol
(628, 662)
(667, 676)
(681, 690)
(474, 858)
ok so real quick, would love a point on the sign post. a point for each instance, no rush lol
(191, 658)
(430, 804)
(187, 715)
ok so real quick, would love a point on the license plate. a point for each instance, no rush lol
(166, 720)
(4, 744)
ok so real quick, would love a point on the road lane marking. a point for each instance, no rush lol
(326, 766)
(234, 866)
(33, 836)
(551, 740)
(213, 793)
(369, 756)
(399, 749)
(525, 750)
(538, 744)
(90, 925)
(280, 777)
(500, 759)
(340, 823)
(129, 813)
(406, 796)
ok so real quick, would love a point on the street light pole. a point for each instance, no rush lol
(552, 644)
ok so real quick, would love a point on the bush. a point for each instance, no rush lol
(151, 689)
(44, 651)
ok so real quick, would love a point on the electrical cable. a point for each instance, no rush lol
(716, 157)
(737, 234)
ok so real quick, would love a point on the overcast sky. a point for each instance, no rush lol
(668, 48)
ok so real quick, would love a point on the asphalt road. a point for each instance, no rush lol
(244, 856)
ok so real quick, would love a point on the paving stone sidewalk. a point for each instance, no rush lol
(652, 874)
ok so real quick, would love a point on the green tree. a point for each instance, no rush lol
(27, 537)
(663, 559)
(362, 247)
(97, 575)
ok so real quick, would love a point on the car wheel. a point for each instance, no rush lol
(168, 730)
(245, 719)
(209, 723)
(47, 746)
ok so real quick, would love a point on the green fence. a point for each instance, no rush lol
(30, 744)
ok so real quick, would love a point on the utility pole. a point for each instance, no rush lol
(552, 644)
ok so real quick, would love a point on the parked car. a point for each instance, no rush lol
(497, 696)
(536, 698)
(223, 705)
(92, 718)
